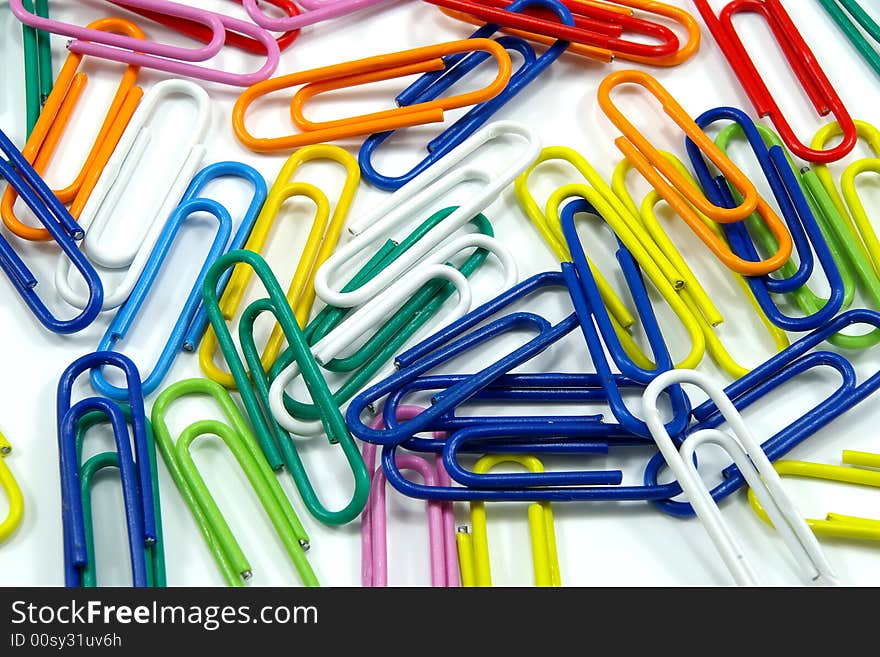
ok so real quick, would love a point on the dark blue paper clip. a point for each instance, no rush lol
(64, 230)
(598, 330)
(431, 85)
(798, 215)
(187, 331)
(455, 340)
(777, 371)
(134, 466)
(569, 437)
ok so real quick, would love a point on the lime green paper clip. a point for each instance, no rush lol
(37, 63)
(238, 438)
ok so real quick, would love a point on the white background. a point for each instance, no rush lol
(599, 544)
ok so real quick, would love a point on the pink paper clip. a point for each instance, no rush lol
(441, 517)
(159, 56)
(319, 10)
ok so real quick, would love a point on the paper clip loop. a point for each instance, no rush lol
(431, 85)
(320, 243)
(754, 466)
(686, 199)
(237, 436)
(164, 57)
(136, 456)
(64, 230)
(854, 471)
(13, 493)
(103, 207)
(801, 60)
(434, 183)
(473, 548)
(364, 71)
(278, 446)
(441, 518)
(48, 130)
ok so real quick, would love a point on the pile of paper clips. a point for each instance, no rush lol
(414, 254)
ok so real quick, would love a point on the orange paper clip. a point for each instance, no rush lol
(364, 71)
(681, 193)
(56, 113)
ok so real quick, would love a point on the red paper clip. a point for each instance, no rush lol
(595, 24)
(801, 60)
(202, 33)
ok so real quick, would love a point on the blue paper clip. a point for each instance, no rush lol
(431, 85)
(195, 190)
(796, 211)
(455, 340)
(64, 230)
(128, 312)
(568, 437)
(598, 330)
(136, 474)
(777, 371)
(192, 322)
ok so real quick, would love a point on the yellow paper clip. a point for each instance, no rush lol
(854, 471)
(13, 493)
(473, 548)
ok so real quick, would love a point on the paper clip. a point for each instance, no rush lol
(364, 71)
(13, 493)
(849, 255)
(205, 34)
(135, 457)
(676, 14)
(801, 60)
(127, 313)
(319, 10)
(64, 230)
(473, 548)
(48, 131)
(430, 85)
(441, 518)
(462, 336)
(776, 371)
(753, 464)
(435, 182)
(237, 436)
(803, 227)
(850, 16)
(693, 293)
(164, 57)
(595, 24)
(154, 555)
(410, 303)
(854, 471)
(278, 446)
(103, 207)
(37, 64)
(320, 243)
(191, 322)
(686, 199)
